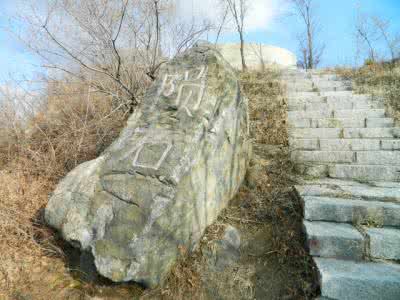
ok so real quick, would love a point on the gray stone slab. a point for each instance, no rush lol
(300, 123)
(379, 122)
(359, 113)
(324, 156)
(365, 172)
(349, 145)
(333, 240)
(363, 104)
(339, 94)
(348, 280)
(309, 133)
(390, 145)
(334, 188)
(338, 123)
(370, 185)
(391, 158)
(347, 210)
(301, 98)
(330, 106)
(380, 133)
(304, 144)
(312, 170)
(315, 114)
(384, 243)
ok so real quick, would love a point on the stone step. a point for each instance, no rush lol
(345, 133)
(333, 88)
(348, 210)
(349, 280)
(329, 104)
(345, 144)
(328, 77)
(342, 123)
(315, 98)
(334, 240)
(384, 243)
(337, 94)
(390, 158)
(365, 173)
(352, 113)
(388, 192)
(330, 113)
(304, 95)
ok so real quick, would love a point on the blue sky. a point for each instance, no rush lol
(337, 18)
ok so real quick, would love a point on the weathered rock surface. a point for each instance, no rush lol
(181, 158)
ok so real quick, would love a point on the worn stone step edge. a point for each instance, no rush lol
(345, 133)
(345, 144)
(362, 173)
(382, 158)
(353, 211)
(334, 240)
(351, 280)
(342, 122)
(334, 188)
(337, 113)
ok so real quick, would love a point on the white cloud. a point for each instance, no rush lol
(261, 13)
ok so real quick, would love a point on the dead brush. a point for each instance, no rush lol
(267, 106)
(72, 127)
(379, 79)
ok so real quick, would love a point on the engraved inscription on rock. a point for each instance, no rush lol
(174, 167)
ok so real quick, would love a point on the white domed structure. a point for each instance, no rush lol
(258, 55)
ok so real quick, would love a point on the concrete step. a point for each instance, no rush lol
(331, 113)
(384, 243)
(345, 144)
(390, 158)
(337, 94)
(388, 192)
(327, 103)
(345, 133)
(348, 210)
(342, 123)
(349, 280)
(334, 240)
(352, 113)
(327, 77)
(333, 87)
(365, 173)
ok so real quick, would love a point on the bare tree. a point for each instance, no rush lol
(238, 10)
(118, 44)
(366, 35)
(392, 42)
(375, 33)
(310, 48)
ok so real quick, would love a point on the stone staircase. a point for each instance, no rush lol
(348, 150)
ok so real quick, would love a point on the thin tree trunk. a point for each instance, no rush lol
(244, 66)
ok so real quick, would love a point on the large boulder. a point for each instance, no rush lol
(180, 159)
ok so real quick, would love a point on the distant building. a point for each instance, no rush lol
(258, 56)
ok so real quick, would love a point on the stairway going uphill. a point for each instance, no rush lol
(348, 150)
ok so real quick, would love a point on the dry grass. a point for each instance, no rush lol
(273, 265)
(381, 80)
(33, 158)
